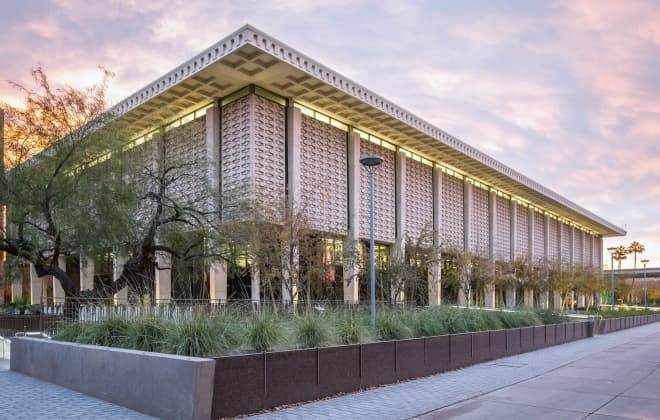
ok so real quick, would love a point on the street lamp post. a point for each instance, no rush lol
(612, 250)
(646, 287)
(370, 163)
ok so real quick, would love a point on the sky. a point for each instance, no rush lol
(566, 92)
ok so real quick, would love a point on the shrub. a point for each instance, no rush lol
(389, 326)
(264, 332)
(191, 338)
(112, 332)
(350, 328)
(548, 316)
(228, 332)
(519, 319)
(146, 334)
(311, 331)
(429, 323)
(69, 332)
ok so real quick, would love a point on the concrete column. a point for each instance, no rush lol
(510, 296)
(545, 294)
(294, 200)
(163, 278)
(351, 271)
(489, 290)
(583, 241)
(528, 297)
(218, 282)
(86, 273)
(213, 152)
(492, 224)
(464, 300)
(16, 289)
(530, 235)
(58, 291)
(528, 294)
(600, 254)
(435, 265)
(255, 286)
(399, 249)
(36, 287)
(557, 301)
(118, 263)
(571, 250)
(572, 297)
(510, 292)
(546, 239)
(560, 239)
(351, 260)
(467, 214)
(294, 139)
(489, 296)
(513, 228)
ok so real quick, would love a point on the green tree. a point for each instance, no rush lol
(620, 253)
(87, 192)
(634, 248)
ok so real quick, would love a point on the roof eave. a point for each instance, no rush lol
(248, 35)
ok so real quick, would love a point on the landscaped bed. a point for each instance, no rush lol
(229, 334)
(286, 369)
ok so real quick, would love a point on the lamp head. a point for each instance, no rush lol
(611, 249)
(644, 261)
(370, 161)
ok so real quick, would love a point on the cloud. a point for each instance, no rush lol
(565, 92)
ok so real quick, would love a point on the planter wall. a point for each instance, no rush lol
(249, 383)
(160, 385)
(605, 326)
(182, 387)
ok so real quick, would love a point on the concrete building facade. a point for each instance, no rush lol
(292, 131)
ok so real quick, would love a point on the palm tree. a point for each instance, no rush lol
(634, 248)
(620, 254)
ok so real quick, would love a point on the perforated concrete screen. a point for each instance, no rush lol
(553, 241)
(452, 212)
(522, 232)
(235, 167)
(323, 176)
(384, 212)
(539, 237)
(419, 201)
(503, 229)
(479, 238)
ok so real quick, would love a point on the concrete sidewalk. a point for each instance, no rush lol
(605, 377)
(23, 397)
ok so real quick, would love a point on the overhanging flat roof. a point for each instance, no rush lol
(249, 56)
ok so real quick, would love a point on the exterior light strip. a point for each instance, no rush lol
(321, 117)
(137, 141)
(376, 140)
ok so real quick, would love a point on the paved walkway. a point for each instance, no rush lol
(606, 377)
(23, 397)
